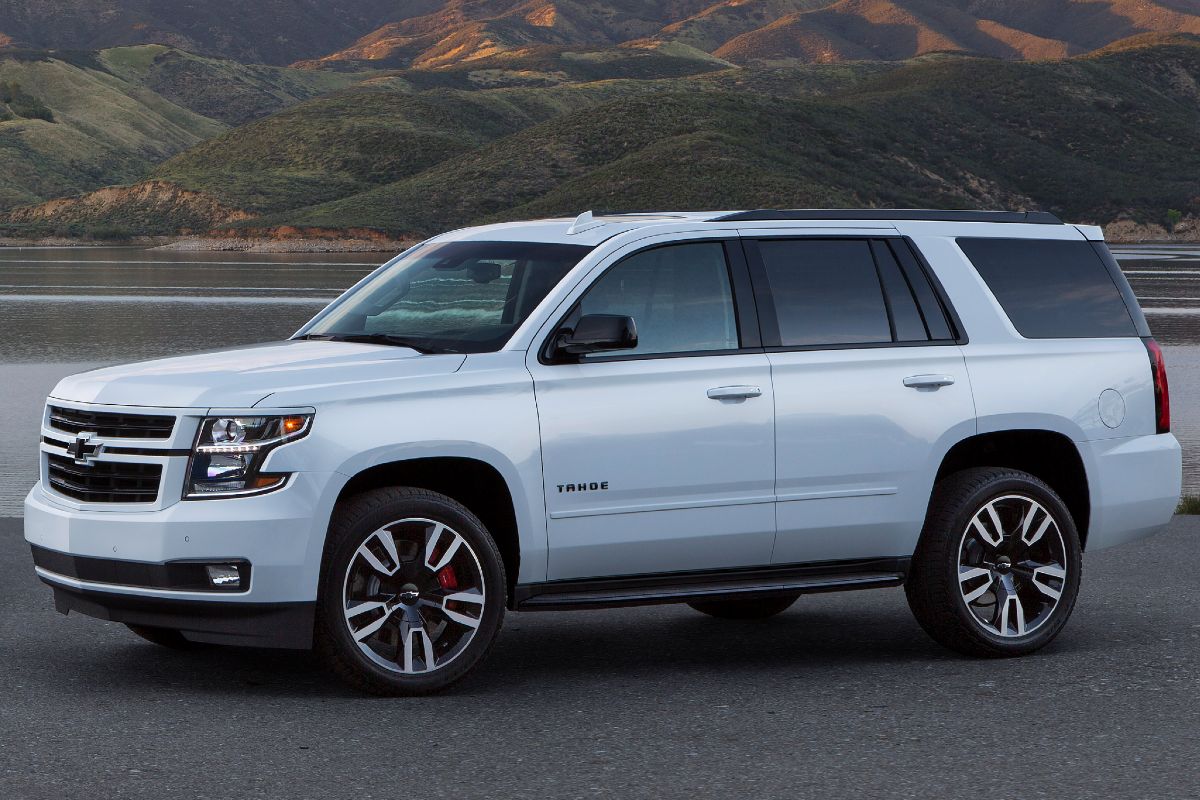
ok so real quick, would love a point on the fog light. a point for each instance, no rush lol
(223, 576)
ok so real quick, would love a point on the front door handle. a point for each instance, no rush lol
(928, 381)
(734, 392)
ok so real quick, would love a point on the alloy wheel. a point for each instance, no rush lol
(413, 596)
(1012, 565)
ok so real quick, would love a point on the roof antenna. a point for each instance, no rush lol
(585, 221)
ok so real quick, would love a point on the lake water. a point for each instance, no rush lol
(67, 310)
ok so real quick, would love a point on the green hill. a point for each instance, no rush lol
(262, 31)
(75, 121)
(96, 128)
(336, 146)
(219, 89)
(1091, 138)
(390, 128)
(418, 151)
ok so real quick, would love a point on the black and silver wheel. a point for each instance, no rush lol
(746, 608)
(412, 594)
(997, 570)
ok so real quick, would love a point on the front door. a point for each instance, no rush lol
(660, 458)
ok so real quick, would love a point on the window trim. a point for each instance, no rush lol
(880, 249)
(901, 246)
(873, 246)
(745, 309)
(957, 331)
(1127, 294)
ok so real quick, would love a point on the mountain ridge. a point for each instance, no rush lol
(264, 31)
(897, 29)
(1095, 138)
(432, 34)
(812, 31)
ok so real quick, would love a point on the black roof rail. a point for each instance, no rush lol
(916, 214)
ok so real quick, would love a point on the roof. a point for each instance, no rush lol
(592, 228)
(893, 214)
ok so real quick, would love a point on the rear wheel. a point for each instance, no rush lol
(412, 592)
(998, 566)
(748, 608)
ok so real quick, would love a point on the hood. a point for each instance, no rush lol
(242, 377)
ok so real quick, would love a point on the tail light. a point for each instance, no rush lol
(1162, 396)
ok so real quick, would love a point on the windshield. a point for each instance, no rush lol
(453, 297)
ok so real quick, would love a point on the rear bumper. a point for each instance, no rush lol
(1134, 486)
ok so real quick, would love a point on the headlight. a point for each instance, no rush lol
(229, 453)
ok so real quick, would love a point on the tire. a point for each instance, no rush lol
(995, 593)
(164, 637)
(748, 608)
(427, 607)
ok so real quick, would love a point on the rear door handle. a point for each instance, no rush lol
(928, 381)
(734, 392)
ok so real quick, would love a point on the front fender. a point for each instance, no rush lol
(485, 412)
(528, 500)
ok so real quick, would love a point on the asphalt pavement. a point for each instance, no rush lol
(843, 696)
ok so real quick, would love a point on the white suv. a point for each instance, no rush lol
(726, 410)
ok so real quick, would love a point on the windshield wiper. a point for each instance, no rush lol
(391, 339)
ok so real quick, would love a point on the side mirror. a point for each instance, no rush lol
(595, 333)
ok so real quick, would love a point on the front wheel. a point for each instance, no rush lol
(998, 565)
(412, 592)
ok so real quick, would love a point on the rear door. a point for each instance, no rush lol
(870, 389)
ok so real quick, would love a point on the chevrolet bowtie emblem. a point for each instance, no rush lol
(83, 451)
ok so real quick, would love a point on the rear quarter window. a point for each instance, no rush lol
(1051, 289)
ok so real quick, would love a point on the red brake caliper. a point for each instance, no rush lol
(447, 578)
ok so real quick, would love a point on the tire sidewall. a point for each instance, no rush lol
(342, 550)
(1062, 517)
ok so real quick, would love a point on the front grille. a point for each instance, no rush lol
(104, 481)
(111, 425)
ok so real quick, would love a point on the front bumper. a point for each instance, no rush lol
(118, 565)
(285, 625)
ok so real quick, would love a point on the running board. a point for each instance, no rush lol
(683, 587)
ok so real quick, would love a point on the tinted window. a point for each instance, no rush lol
(906, 317)
(1051, 289)
(679, 297)
(825, 292)
(932, 311)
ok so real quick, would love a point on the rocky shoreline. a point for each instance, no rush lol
(227, 244)
(289, 245)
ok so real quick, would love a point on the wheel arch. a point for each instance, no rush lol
(475, 483)
(1048, 455)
